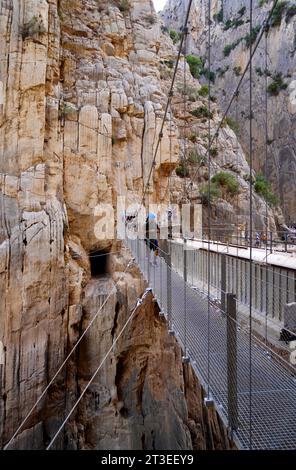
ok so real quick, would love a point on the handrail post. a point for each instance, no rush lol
(169, 286)
(186, 356)
(223, 283)
(137, 250)
(168, 257)
(153, 266)
(148, 264)
(232, 362)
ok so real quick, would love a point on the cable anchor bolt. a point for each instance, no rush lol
(209, 402)
(172, 332)
(186, 360)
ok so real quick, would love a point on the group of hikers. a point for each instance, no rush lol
(152, 230)
(261, 237)
(151, 235)
(286, 236)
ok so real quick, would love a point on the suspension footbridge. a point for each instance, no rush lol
(261, 416)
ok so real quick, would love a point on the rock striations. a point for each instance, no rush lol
(83, 88)
(230, 41)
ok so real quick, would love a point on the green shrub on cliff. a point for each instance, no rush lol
(195, 157)
(230, 47)
(227, 182)
(182, 170)
(232, 123)
(291, 12)
(250, 38)
(277, 85)
(208, 193)
(277, 15)
(202, 112)
(263, 188)
(219, 17)
(196, 65)
(204, 91)
(174, 35)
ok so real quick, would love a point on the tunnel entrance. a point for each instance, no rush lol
(99, 263)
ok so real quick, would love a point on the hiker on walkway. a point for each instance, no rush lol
(258, 240)
(152, 238)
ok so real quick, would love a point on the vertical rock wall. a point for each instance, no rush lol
(82, 92)
(281, 49)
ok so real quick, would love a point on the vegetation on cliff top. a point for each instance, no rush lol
(227, 183)
(264, 189)
(277, 84)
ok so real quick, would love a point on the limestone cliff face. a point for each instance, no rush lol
(144, 398)
(83, 87)
(82, 91)
(230, 26)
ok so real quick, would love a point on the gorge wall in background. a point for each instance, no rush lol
(230, 27)
(83, 90)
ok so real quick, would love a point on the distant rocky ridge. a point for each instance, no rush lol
(229, 38)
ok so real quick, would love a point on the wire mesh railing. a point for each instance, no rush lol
(259, 418)
(283, 241)
(275, 285)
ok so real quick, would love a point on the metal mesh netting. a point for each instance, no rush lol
(266, 418)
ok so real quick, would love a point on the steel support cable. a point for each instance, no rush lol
(138, 304)
(171, 151)
(170, 94)
(237, 166)
(256, 280)
(184, 191)
(209, 199)
(161, 194)
(169, 235)
(169, 187)
(168, 105)
(279, 361)
(265, 171)
(185, 111)
(66, 359)
(254, 49)
(148, 247)
(99, 256)
(251, 224)
(243, 329)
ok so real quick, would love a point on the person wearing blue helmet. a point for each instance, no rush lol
(152, 238)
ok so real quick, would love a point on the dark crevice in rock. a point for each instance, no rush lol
(140, 385)
(117, 309)
(143, 438)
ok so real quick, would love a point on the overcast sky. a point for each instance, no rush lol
(159, 4)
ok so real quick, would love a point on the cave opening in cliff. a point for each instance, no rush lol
(99, 263)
